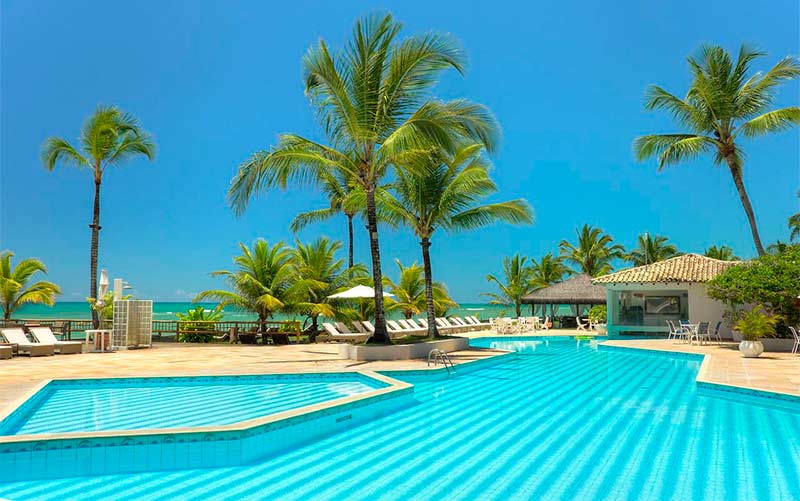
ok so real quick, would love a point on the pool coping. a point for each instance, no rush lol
(392, 386)
(703, 380)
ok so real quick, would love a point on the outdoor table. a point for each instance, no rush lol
(104, 344)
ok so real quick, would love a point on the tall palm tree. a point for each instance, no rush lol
(724, 102)
(594, 252)
(15, 289)
(722, 252)
(374, 100)
(794, 225)
(260, 282)
(317, 275)
(548, 270)
(337, 186)
(109, 137)
(436, 191)
(650, 249)
(411, 294)
(518, 280)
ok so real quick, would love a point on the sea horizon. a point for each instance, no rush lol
(168, 310)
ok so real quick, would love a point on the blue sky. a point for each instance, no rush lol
(216, 80)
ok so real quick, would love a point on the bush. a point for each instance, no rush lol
(598, 314)
(773, 280)
(756, 323)
(197, 325)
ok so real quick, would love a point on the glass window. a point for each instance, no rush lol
(651, 308)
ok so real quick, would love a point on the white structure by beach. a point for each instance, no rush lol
(641, 300)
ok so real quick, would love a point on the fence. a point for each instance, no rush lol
(163, 330)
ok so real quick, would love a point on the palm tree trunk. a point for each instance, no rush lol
(736, 172)
(349, 240)
(380, 335)
(95, 226)
(426, 261)
(518, 308)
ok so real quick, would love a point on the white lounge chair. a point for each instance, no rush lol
(403, 328)
(368, 325)
(415, 325)
(796, 334)
(335, 335)
(45, 335)
(17, 336)
(343, 328)
(423, 322)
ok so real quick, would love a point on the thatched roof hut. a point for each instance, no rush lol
(578, 289)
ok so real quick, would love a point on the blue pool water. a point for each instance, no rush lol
(146, 403)
(563, 420)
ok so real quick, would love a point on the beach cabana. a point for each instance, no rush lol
(577, 291)
(642, 299)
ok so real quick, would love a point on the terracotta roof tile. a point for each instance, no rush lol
(685, 268)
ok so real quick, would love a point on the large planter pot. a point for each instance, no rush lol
(401, 351)
(601, 329)
(751, 349)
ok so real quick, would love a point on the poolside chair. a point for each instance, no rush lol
(580, 325)
(343, 328)
(368, 325)
(673, 330)
(17, 336)
(415, 325)
(45, 335)
(360, 327)
(716, 335)
(703, 332)
(423, 322)
(796, 334)
(335, 335)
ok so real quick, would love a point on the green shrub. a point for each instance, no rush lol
(196, 326)
(756, 323)
(598, 314)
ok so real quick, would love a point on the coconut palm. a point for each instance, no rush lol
(439, 191)
(650, 249)
(518, 280)
(548, 270)
(109, 137)
(317, 275)
(593, 253)
(722, 252)
(337, 186)
(15, 289)
(373, 99)
(260, 282)
(411, 294)
(794, 225)
(725, 102)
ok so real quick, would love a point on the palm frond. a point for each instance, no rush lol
(56, 149)
(773, 121)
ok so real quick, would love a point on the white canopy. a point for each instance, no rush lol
(357, 292)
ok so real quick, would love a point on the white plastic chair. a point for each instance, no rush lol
(796, 347)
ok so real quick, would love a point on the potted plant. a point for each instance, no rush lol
(754, 325)
(597, 318)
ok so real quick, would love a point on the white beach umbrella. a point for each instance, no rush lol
(357, 292)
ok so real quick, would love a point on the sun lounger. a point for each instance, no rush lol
(17, 336)
(344, 329)
(335, 335)
(6, 351)
(415, 325)
(423, 323)
(368, 325)
(45, 335)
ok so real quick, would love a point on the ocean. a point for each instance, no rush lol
(167, 310)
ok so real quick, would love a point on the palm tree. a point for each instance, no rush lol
(15, 290)
(723, 103)
(441, 191)
(109, 137)
(794, 225)
(337, 186)
(411, 293)
(593, 253)
(722, 252)
(518, 280)
(548, 270)
(317, 275)
(651, 249)
(373, 99)
(260, 283)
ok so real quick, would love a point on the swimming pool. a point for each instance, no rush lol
(564, 421)
(68, 406)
